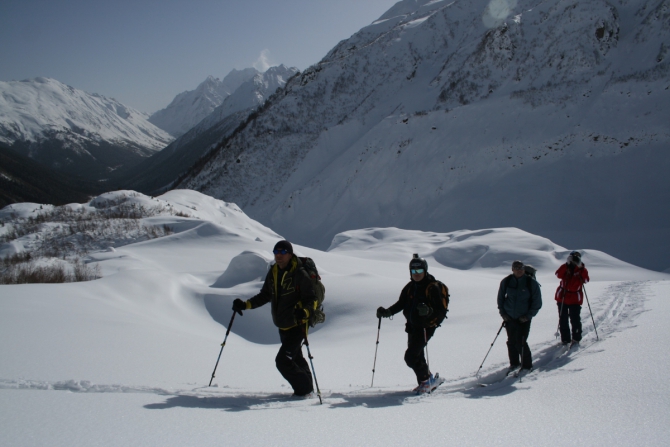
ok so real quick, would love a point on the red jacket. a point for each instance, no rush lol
(570, 288)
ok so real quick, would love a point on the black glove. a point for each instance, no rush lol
(300, 314)
(239, 306)
(523, 319)
(506, 318)
(423, 309)
(383, 313)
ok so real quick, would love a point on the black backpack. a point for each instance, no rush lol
(316, 315)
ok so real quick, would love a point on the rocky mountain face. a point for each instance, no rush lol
(160, 170)
(74, 132)
(189, 108)
(548, 115)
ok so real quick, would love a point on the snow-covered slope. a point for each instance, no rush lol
(162, 169)
(189, 108)
(71, 130)
(550, 115)
(126, 359)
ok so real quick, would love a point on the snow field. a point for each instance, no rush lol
(127, 358)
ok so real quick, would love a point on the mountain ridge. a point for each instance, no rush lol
(158, 172)
(190, 107)
(73, 131)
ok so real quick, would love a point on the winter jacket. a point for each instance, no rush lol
(286, 290)
(414, 293)
(519, 297)
(572, 279)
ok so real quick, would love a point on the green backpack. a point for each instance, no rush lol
(317, 315)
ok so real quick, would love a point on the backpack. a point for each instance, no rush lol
(316, 315)
(529, 270)
(441, 307)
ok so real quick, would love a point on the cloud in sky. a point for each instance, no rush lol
(263, 62)
(497, 11)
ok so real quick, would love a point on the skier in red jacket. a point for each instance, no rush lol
(570, 296)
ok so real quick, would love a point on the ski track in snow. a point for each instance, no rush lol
(613, 311)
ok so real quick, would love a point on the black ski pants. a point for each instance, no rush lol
(517, 343)
(572, 313)
(291, 363)
(414, 357)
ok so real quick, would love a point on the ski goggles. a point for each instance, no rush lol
(416, 271)
(282, 251)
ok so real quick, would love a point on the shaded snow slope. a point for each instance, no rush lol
(142, 342)
(551, 117)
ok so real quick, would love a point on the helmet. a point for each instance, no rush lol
(418, 263)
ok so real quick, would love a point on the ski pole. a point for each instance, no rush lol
(309, 354)
(425, 339)
(594, 321)
(523, 346)
(379, 326)
(487, 353)
(222, 345)
(560, 313)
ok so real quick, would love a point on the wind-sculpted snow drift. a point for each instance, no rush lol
(548, 115)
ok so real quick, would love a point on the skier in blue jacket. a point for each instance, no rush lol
(519, 300)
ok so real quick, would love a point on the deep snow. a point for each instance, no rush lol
(126, 359)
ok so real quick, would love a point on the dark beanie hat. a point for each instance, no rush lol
(284, 245)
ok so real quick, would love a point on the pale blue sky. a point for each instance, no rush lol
(144, 52)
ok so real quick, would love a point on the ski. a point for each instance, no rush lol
(437, 381)
(522, 373)
(568, 347)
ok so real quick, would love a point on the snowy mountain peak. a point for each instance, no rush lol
(74, 132)
(249, 95)
(188, 108)
(31, 108)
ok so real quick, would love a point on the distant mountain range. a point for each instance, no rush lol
(74, 132)
(189, 108)
(90, 137)
(159, 172)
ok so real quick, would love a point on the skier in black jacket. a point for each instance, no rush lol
(289, 290)
(424, 304)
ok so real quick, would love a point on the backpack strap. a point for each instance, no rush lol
(507, 280)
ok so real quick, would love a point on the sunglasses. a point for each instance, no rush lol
(282, 251)
(518, 268)
(416, 271)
